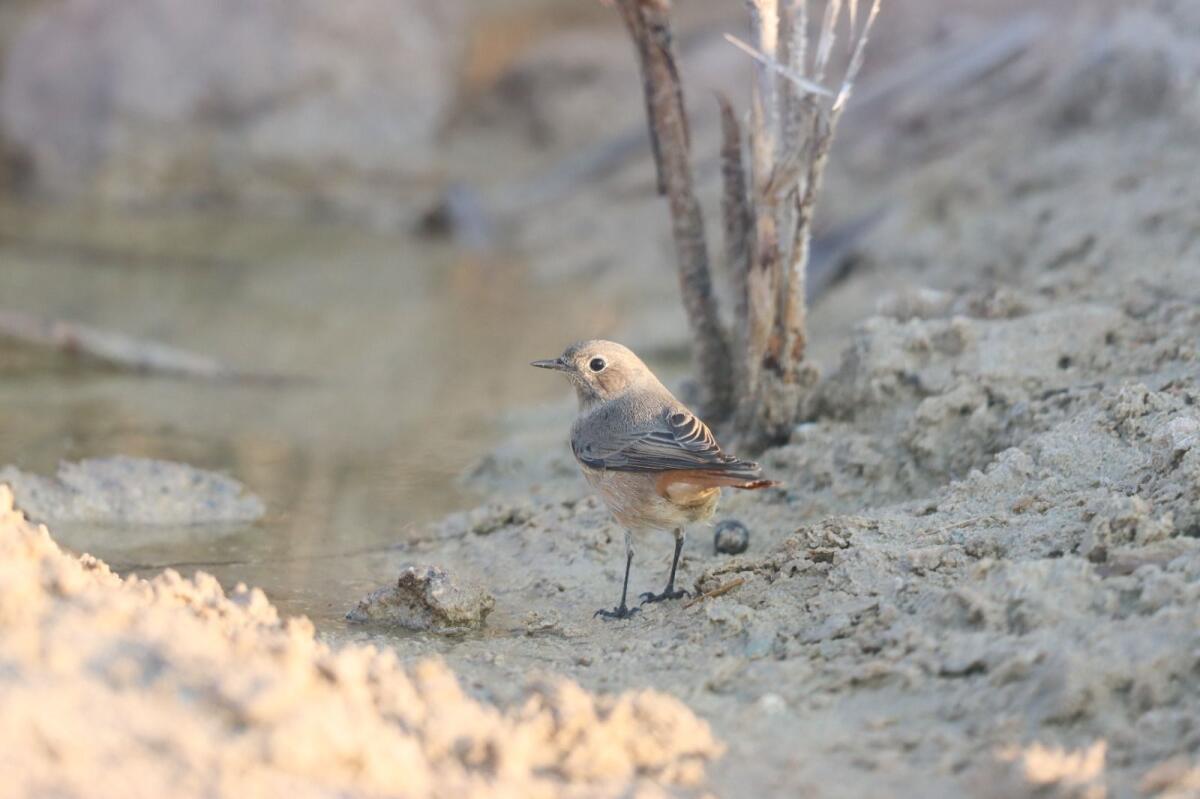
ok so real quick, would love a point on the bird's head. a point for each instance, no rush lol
(600, 370)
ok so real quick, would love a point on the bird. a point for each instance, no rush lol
(654, 463)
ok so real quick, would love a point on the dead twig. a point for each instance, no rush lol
(120, 350)
(720, 590)
(737, 219)
(649, 27)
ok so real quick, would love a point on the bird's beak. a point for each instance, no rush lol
(555, 363)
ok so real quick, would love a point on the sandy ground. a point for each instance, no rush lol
(982, 576)
(169, 687)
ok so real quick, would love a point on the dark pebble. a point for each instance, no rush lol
(731, 537)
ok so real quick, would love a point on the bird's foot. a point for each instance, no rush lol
(677, 593)
(622, 612)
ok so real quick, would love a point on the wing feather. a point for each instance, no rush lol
(678, 441)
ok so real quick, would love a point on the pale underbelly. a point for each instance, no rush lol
(634, 500)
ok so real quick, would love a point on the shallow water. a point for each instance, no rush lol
(414, 352)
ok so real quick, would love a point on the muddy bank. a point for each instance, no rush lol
(116, 687)
(983, 574)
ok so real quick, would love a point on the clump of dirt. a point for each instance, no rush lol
(426, 598)
(173, 686)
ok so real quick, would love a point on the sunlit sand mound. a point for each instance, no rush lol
(168, 687)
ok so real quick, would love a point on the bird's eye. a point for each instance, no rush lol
(597, 364)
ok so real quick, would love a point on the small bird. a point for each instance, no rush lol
(653, 462)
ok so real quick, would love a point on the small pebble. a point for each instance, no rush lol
(731, 537)
(772, 704)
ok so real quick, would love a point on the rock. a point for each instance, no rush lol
(1123, 521)
(822, 540)
(951, 432)
(426, 598)
(731, 538)
(123, 490)
(915, 303)
(730, 614)
(304, 104)
(1173, 440)
(760, 639)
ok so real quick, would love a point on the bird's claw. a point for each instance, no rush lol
(622, 612)
(678, 593)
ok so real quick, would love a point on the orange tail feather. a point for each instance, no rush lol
(707, 479)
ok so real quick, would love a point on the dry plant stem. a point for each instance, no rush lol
(648, 24)
(116, 349)
(856, 60)
(795, 99)
(774, 65)
(720, 590)
(792, 129)
(738, 223)
(800, 113)
(820, 140)
(795, 310)
(762, 277)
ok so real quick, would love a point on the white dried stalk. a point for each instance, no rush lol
(799, 36)
(785, 71)
(764, 26)
(856, 58)
(798, 100)
(833, 11)
(792, 121)
(824, 127)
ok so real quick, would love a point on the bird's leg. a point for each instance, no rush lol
(623, 611)
(670, 592)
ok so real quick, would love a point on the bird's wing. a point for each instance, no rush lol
(677, 440)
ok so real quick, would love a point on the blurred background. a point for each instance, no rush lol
(376, 213)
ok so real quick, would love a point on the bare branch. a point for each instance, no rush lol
(738, 229)
(649, 26)
(636, 25)
(736, 215)
(118, 349)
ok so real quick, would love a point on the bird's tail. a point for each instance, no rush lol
(754, 485)
(746, 475)
(734, 473)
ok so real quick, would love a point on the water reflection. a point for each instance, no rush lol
(414, 350)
